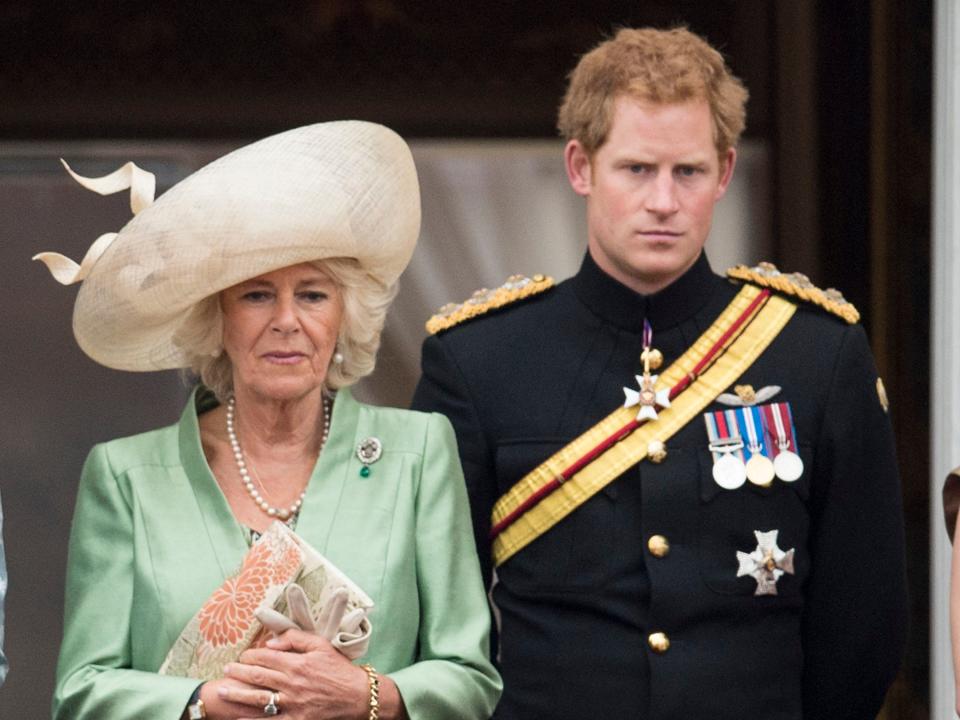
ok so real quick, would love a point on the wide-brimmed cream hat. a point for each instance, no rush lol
(338, 189)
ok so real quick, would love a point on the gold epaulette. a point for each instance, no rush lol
(797, 285)
(517, 287)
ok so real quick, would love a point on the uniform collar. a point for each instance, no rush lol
(626, 309)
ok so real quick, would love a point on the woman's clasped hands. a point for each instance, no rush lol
(305, 671)
(300, 673)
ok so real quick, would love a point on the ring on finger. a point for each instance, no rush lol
(272, 707)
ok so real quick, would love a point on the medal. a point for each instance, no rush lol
(760, 470)
(647, 397)
(759, 467)
(729, 471)
(779, 422)
(767, 563)
(788, 466)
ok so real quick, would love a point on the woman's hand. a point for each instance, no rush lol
(312, 680)
(217, 706)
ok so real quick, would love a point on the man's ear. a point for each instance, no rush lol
(727, 164)
(577, 162)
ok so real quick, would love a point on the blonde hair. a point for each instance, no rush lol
(657, 66)
(365, 304)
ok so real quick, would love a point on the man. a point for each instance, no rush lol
(729, 544)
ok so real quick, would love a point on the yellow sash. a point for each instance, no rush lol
(732, 363)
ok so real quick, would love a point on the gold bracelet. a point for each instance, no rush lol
(374, 682)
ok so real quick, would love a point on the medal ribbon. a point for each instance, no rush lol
(753, 428)
(778, 421)
(722, 440)
(556, 487)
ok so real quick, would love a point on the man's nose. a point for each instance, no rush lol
(662, 199)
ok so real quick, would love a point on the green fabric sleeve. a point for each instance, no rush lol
(95, 679)
(453, 677)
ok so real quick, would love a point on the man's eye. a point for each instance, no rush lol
(687, 171)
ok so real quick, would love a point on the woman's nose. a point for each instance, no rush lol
(285, 316)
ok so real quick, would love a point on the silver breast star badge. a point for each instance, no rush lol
(648, 397)
(767, 563)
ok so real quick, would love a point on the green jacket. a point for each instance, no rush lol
(153, 536)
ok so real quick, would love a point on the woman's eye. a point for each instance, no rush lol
(313, 296)
(256, 296)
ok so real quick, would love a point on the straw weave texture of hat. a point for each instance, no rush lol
(338, 189)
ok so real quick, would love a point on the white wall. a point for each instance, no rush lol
(945, 338)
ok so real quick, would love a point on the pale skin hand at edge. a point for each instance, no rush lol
(955, 614)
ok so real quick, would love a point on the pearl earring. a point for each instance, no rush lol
(338, 358)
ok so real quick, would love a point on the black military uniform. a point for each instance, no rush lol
(631, 606)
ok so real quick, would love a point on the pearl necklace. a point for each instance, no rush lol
(285, 514)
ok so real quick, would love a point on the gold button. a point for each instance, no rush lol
(658, 546)
(659, 642)
(656, 451)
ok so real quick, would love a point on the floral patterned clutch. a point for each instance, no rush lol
(226, 624)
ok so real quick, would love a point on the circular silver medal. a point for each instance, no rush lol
(788, 466)
(760, 470)
(729, 472)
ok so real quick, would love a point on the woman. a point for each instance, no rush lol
(269, 273)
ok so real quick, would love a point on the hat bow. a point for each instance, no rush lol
(142, 186)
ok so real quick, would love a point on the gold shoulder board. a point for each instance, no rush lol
(517, 287)
(796, 285)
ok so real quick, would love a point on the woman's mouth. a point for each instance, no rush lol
(283, 358)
